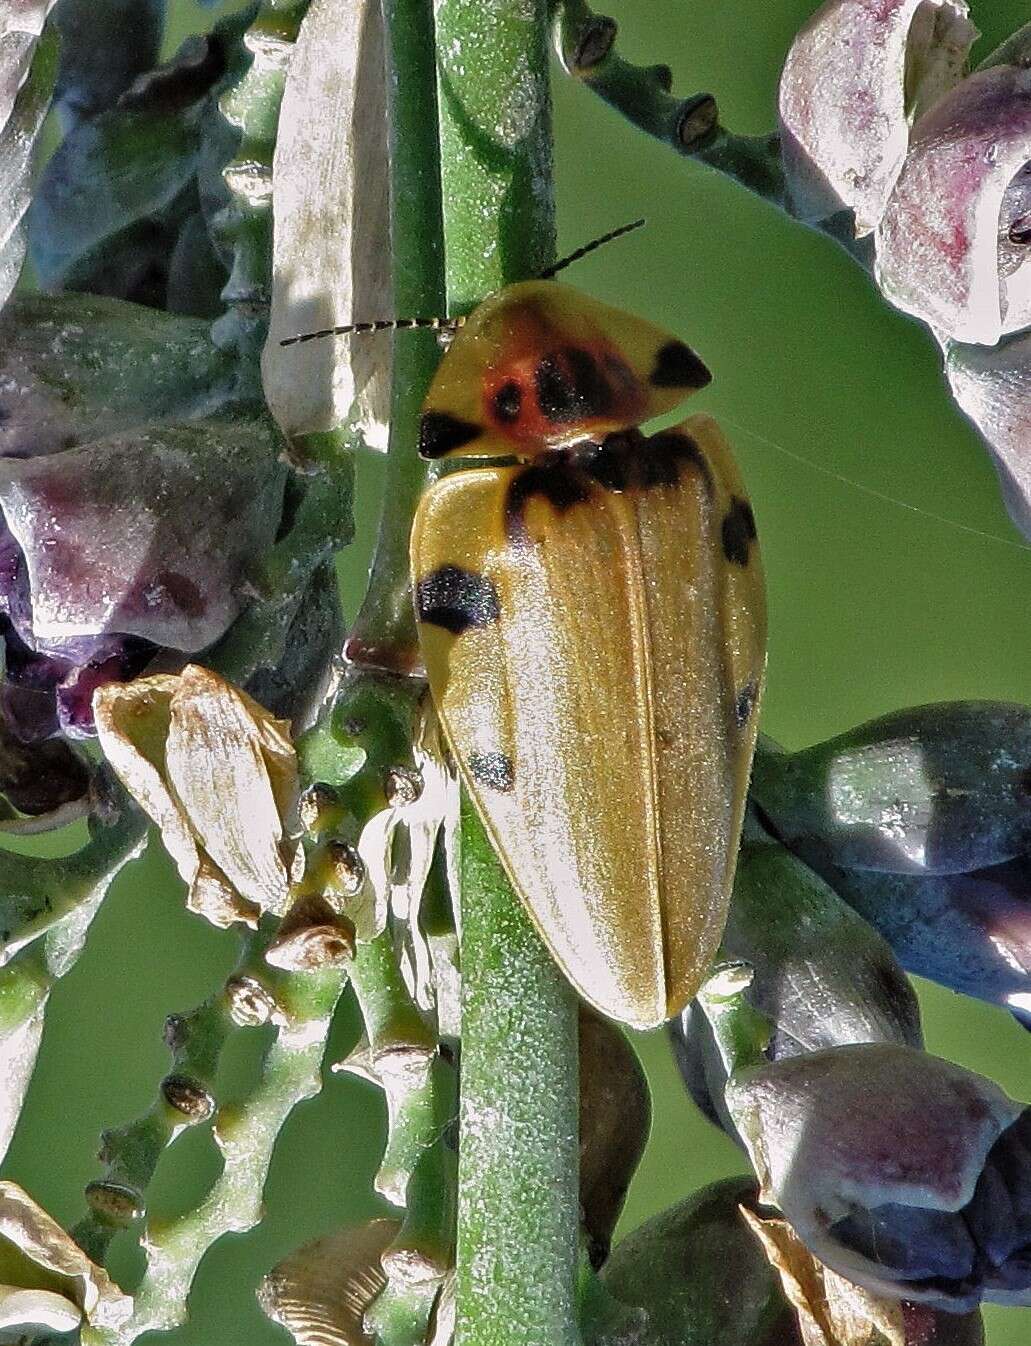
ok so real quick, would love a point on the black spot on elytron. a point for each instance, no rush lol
(440, 433)
(665, 455)
(493, 769)
(610, 466)
(456, 599)
(571, 386)
(738, 532)
(561, 484)
(507, 402)
(744, 704)
(677, 366)
(626, 459)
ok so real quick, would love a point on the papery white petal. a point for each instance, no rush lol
(993, 386)
(220, 744)
(938, 250)
(332, 226)
(856, 75)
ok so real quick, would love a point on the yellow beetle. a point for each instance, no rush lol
(592, 621)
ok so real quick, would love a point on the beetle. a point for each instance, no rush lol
(591, 615)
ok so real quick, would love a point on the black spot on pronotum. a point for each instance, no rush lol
(571, 386)
(556, 395)
(440, 434)
(507, 402)
(560, 484)
(456, 599)
(677, 366)
(744, 704)
(592, 388)
(493, 769)
(738, 532)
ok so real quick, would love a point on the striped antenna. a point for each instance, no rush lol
(452, 324)
(379, 325)
(553, 271)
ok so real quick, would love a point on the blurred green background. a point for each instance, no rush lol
(847, 439)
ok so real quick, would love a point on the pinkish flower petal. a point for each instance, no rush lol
(993, 386)
(952, 246)
(856, 75)
(146, 533)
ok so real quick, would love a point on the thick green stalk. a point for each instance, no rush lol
(518, 1155)
(517, 1187)
(384, 631)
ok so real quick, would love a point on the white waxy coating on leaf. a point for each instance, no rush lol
(943, 252)
(27, 71)
(856, 75)
(19, 1045)
(332, 227)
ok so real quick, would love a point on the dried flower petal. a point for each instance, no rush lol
(945, 248)
(856, 75)
(36, 1253)
(219, 777)
(831, 1311)
(320, 1292)
(332, 249)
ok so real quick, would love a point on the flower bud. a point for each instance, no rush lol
(969, 932)
(700, 1276)
(952, 244)
(855, 77)
(902, 1172)
(992, 385)
(615, 1116)
(938, 789)
(832, 1311)
(821, 975)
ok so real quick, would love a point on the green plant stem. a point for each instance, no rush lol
(79, 885)
(251, 106)
(131, 1152)
(690, 126)
(245, 1133)
(517, 1185)
(383, 635)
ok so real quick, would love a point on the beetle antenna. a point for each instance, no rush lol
(451, 325)
(596, 243)
(379, 325)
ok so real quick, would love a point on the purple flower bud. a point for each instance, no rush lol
(856, 76)
(969, 932)
(992, 384)
(952, 244)
(938, 789)
(900, 1171)
(821, 975)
